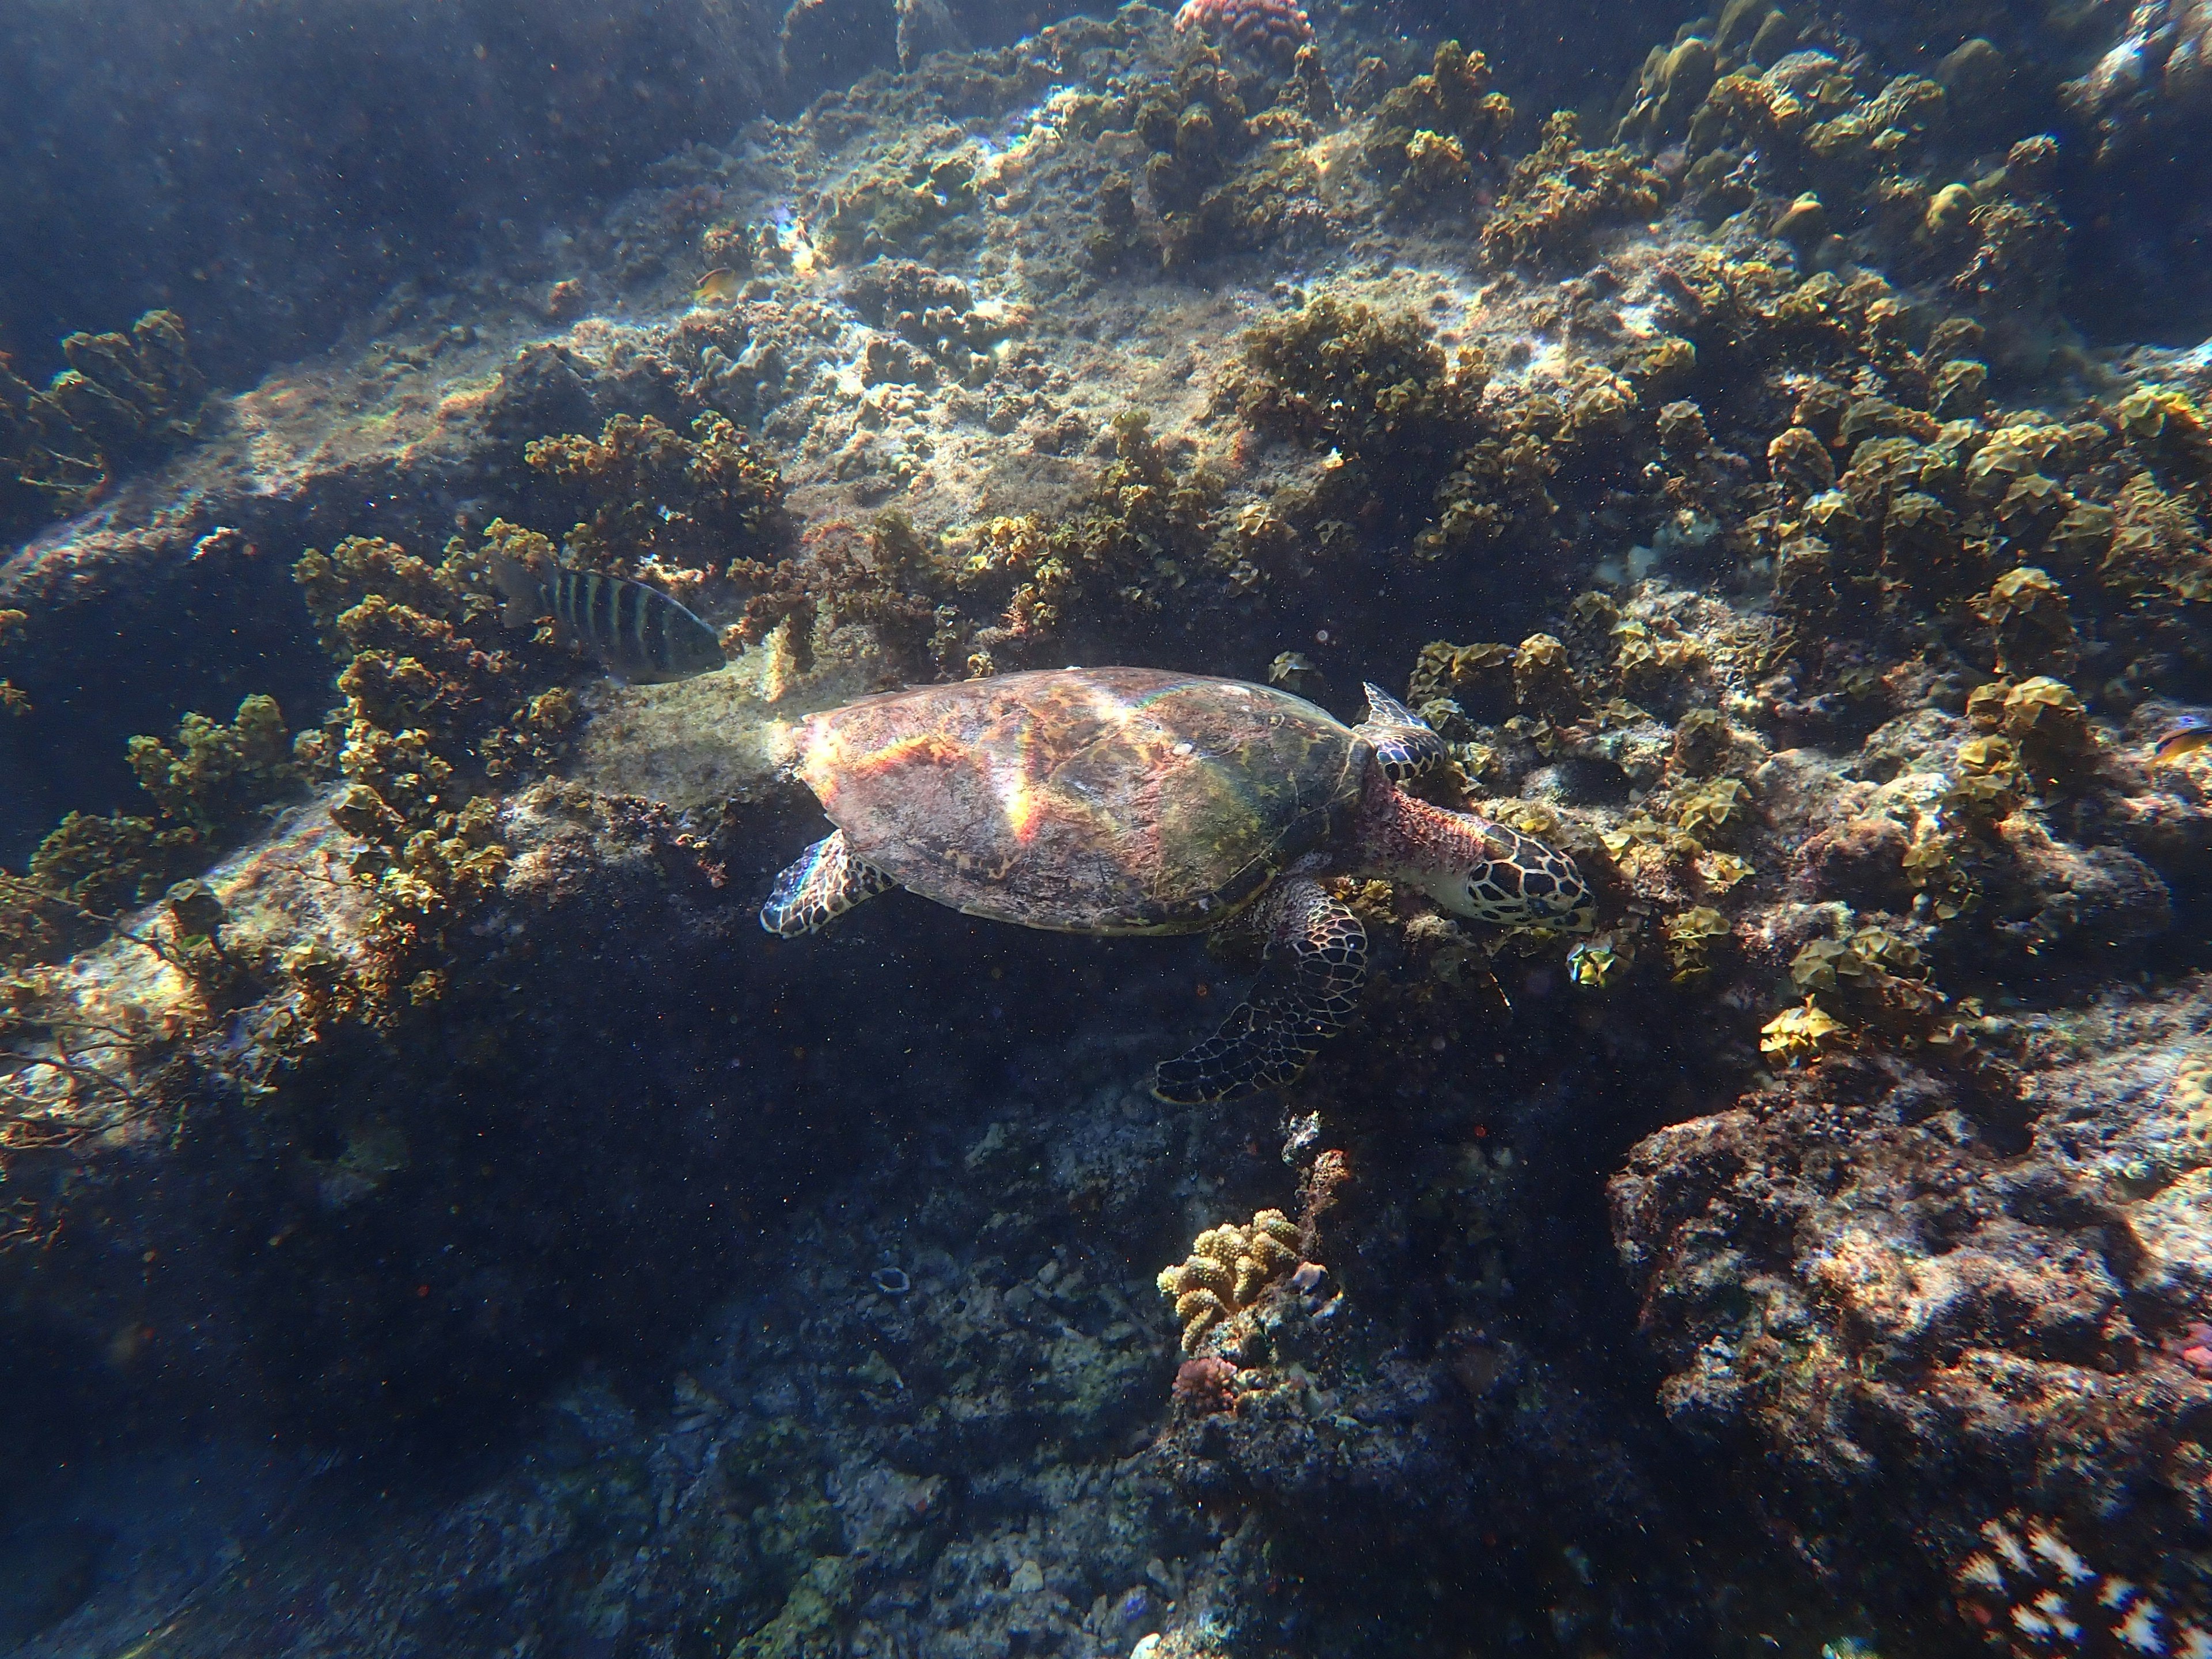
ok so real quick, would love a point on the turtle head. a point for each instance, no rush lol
(1508, 878)
(1469, 866)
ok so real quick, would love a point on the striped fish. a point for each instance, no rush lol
(630, 629)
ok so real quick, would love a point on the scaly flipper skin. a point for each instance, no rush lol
(1404, 747)
(1316, 963)
(825, 883)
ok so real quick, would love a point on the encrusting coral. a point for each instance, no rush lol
(1227, 1270)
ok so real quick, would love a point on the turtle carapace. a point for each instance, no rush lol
(1128, 800)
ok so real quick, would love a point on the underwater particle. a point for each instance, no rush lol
(2189, 736)
(1796, 1035)
(912, 779)
(1265, 28)
(718, 287)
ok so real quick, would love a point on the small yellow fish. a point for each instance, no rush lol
(718, 287)
(2189, 737)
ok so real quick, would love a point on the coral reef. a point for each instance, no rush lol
(677, 507)
(1751, 523)
(124, 399)
(1228, 1269)
(211, 784)
(2024, 1357)
(1270, 28)
(1561, 195)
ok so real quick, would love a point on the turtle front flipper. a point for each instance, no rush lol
(1404, 743)
(1316, 962)
(825, 883)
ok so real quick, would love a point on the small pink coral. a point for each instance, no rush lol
(1268, 27)
(1201, 1385)
(2194, 1349)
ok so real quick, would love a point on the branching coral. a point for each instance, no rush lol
(210, 782)
(217, 776)
(647, 494)
(432, 722)
(1228, 1269)
(124, 399)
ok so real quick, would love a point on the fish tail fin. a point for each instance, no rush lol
(523, 594)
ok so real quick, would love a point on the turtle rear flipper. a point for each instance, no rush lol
(1405, 743)
(824, 882)
(1316, 962)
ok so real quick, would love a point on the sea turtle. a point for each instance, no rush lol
(1128, 800)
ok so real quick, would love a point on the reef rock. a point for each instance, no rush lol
(1904, 1300)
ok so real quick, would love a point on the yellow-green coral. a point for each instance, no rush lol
(646, 494)
(1423, 133)
(217, 776)
(13, 697)
(1560, 194)
(2029, 619)
(1796, 1035)
(123, 400)
(1691, 937)
(1227, 1269)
